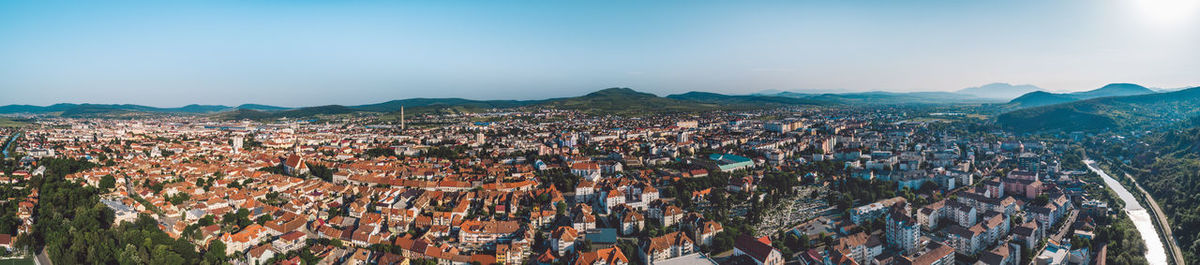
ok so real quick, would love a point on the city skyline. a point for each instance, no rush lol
(619, 132)
(317, 53)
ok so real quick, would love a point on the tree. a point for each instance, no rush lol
(262, 220)
(179, 199)
(107, 182)
(216, 253)
(378, 152)
(320, 171)
(207, 220)
(164, 255)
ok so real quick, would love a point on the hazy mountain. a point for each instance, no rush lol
(1041, 98)
(715, 98)
(805, 91)
(999, 90)
(80, 109)
(197, 108)
(260, 107)
(626, 102)
(1164, 90)
(245, 114)
(1119, 112)
(1114, 90)
(313, 111)
(768, 92)
(35, 109)
(619, 101)
(425, 103)
(890, 98)
(92, 110)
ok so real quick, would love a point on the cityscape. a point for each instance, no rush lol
(371, 155)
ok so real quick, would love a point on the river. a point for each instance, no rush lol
(10, 141)
(1155, 253)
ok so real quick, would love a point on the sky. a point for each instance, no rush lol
(306, 53)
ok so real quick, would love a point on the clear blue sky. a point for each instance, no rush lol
(301, 53)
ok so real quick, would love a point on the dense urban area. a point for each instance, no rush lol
(880, 184)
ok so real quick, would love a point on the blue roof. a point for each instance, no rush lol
(603, 235)
(728, 157)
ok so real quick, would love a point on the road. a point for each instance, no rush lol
(42, 259)
(1066, 226)
(1160, 221)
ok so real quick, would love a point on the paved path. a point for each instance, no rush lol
(42, 259)
(1066, 226)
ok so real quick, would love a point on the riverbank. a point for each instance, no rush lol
(8, 144)
(1156, 253)
(1160, 222)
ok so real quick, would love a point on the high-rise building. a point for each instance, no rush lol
(237, 143)
(903, 232)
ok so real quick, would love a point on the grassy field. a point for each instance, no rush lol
(6, 122)
(17, 261)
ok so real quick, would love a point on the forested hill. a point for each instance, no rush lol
(1167, 165)
(1042, 98)
(1140, 111)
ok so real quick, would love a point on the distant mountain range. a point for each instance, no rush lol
(715, 98)
(394, 105)
(999, 90)
(889, 98)
(626, 102)
(1101, 111)
(618, 100)
(1042, 98)
(615, 101)
(260, 107)
(70, 110)
(989, 93)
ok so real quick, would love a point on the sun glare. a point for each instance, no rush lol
(1167, 13)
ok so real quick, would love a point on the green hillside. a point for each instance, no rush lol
(1142, 111)
(1042, 98)
(306, 112)
(260, 107)
(91, 110)
(626, 102)
(891, 98)
(612, 101)
(1167, 165)
(426, 104)
(744, 100)
(245, 114)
